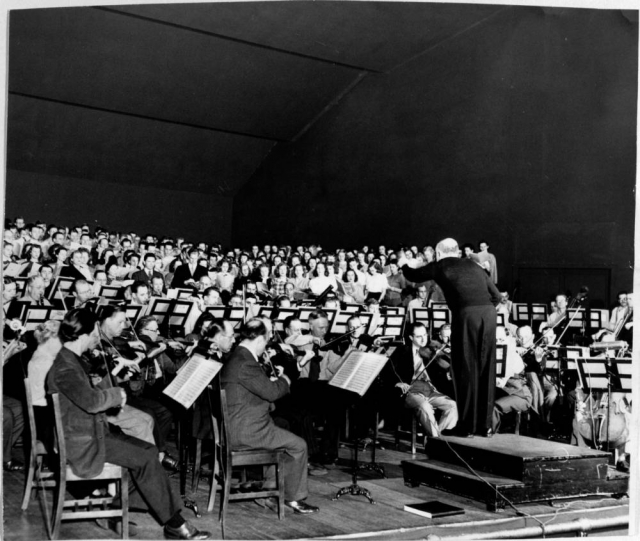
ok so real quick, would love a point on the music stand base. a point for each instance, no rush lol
(354, 490)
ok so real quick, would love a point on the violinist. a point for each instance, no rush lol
(534, 357)
(121, 360)
(557, 318)
(439, 352)
(89, 440)
(418, 392)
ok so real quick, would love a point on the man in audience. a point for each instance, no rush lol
(188, 274)
(78, 267)
(147, 274)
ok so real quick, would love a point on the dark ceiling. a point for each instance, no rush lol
(193, 97)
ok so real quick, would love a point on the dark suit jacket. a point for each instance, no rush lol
(402, 364)
(250, 396)
(183, 273)
(142, 276)
(82, 407)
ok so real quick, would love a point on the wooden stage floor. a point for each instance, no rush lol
(349, 517)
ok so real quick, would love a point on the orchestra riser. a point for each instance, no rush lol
(522, 469)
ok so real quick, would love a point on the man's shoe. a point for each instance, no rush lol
(488, 433)
(12, 466)
(115, 525)
(302, 508)
(170, 463)
(317, 470)
(186, 531)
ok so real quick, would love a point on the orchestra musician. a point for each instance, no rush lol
(89, 440)
(417, 390)
(250, 395)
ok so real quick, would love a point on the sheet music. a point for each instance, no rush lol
(358, 371)
(192, 379)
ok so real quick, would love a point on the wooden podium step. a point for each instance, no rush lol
(519, 468)
(535, 461)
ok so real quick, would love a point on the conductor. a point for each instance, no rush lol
(471, 297)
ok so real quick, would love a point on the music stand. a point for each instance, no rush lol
(420, 314)
(235, 315)
(109, 292)
(392, 325)
(395, 310)
(520, 312)
(132, 312)
(62, 285)
(178, 315)
(500, 320)
(217, 311)
(37, 315)
(501, 360)
(267, 311)
(537, 312)
(21, 283)
(440, 317)
(597, 318)
(281, 315)
(339, 325)
(576, 317)
(158, 308)
(351, 308)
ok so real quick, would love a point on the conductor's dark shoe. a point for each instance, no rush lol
(488, 434)
(302, 508)
(186, 531)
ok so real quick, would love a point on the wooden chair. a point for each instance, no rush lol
(96, 507)
(230, 459)
(36, 478)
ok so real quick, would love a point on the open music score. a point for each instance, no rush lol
(358, 371)
(192, 379)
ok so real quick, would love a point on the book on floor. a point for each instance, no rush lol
(433, 509)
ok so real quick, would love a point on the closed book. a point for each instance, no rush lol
(433, 509)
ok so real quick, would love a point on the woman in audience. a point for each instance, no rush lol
(300, 281)
(376, 285)
(353, 290)
(33, 259)
(321, 280)
(280, 280)
(224, 278)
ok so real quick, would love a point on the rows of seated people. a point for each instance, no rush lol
(364, 285)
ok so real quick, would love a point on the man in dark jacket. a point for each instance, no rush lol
(250, 396)
(471, 297)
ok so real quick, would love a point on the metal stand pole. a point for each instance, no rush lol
(354, 489)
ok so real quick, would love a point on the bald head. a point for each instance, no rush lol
(447, 248)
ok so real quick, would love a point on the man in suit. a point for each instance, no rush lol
(148, 273)
(78, 269)
(408, 364)
(250, 396)
(471, 296)
(188, 274)
(89, 438)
